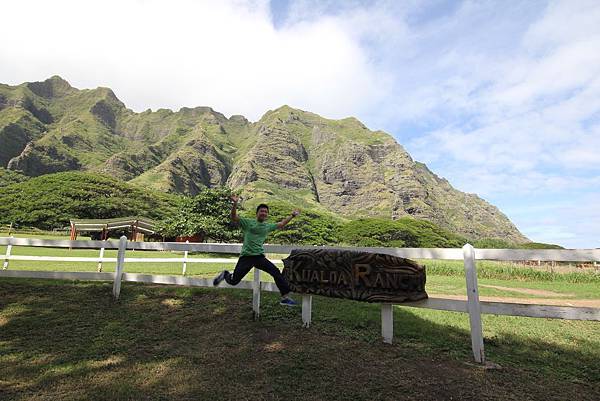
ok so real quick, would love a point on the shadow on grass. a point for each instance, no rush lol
(62, 340)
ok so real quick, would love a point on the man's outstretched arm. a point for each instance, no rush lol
(285, 221)
(234, 216)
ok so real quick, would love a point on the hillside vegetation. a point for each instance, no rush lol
(49, 201)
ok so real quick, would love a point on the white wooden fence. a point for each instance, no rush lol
(468, 254)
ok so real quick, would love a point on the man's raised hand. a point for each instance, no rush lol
(296, 212)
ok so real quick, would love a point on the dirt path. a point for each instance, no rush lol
(529, 291)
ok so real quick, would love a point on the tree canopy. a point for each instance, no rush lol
(8, 177)
(404, 232)
(206, 214)
(311, 227)
(50, 201)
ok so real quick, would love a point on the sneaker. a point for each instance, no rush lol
(288, 302)
(220, 277)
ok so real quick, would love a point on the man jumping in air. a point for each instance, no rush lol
(253, 254)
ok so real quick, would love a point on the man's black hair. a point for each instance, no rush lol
(262, 205)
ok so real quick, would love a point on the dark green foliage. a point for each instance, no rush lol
(493, 243)
(376, 232)
(51, 200)
(207, 214)
(8, 177)
(405, 232)
(497, 243)
(309, 228)
(539, 245)
(430, 235)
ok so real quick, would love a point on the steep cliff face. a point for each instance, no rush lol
(289, 154)
(196, 165)
(344, 167)
(38, 159)
(18, 127)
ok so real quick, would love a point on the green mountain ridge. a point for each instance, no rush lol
(337, 166)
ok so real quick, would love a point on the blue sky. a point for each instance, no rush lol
(502, 98)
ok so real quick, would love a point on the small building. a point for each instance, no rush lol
(137, 227)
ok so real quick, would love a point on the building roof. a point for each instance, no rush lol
(142, 224)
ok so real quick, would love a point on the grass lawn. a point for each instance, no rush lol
(453, 285)
(436, 285)
(71, 341)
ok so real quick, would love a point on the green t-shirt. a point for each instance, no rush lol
(255, 233)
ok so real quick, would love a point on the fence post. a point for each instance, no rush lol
(8, 251)
(100, 259)
(306, 310)
(185, 256)
(387, 322)
(119, 268)
(256, 294)
(473, 306)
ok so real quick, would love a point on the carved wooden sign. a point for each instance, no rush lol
(362, 276)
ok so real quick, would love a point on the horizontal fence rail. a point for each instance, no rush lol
(558, 255)
(471, 305)
(131, 260)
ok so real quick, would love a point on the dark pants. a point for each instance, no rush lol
(246, 263)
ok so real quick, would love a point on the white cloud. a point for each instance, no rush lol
(527, 111)
(571, 221)
(563, 22)
(223, 54)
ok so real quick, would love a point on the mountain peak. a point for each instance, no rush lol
(203, 110)
(293, 110)
(57, 80)
(286, 113)
(54, 86)
(285, 109)
(107, 93)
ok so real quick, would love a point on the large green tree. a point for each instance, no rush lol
(405, 232)
(8, 177)
(311, 227)
(207, 214)
(51, 200)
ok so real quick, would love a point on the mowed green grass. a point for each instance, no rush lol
(71, 341)
(192, 269)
